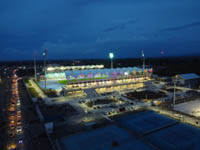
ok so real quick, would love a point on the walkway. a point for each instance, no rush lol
(91, 93)
(38, 90)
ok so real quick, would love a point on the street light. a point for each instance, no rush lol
(44, 57)
(111, 55)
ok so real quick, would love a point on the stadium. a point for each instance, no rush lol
(62, 68)
(72, 79)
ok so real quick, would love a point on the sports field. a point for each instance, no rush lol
(103, 139)
(177, 137)
(83, 79)
(51, 84)
(158, 131)
(144, 122)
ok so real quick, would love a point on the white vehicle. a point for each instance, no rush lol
(12, 127)
(20, 141)
(18, 103)
(178, 115)
(19, 129)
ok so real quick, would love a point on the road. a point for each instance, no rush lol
(20, 127)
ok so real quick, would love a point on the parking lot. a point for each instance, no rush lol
(15, 128)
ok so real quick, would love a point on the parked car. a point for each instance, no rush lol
(20, 139)
(19, 129)
(11, 134)
(12, 126)
(18, 121)
(98, 107)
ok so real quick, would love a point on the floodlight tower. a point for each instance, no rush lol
(143, 61)
(44, 57)
(35, 54)
(174, 94)
(174, 100)
(111, 55)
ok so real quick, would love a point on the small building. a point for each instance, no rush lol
(190, 80)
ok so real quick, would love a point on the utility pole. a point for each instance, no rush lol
(175, 80)
(44, 56)
(35, 54)
(174, 93)
(111, 55)
(111, 63)
(143, 61)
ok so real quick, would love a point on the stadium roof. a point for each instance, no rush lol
(56, 67)
(189, 76)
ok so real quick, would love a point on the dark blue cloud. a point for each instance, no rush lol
(182, 27)
(120, 26)
(92, 28)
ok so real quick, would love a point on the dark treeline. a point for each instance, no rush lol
(165, 66)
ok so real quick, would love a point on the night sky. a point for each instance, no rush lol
(74, 29)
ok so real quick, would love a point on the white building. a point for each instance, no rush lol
(188, 80)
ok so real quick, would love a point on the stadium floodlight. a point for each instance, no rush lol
(35, 54)
(45, 78)
(44, 53)
(143, 61)
(111, 55)
(174, 100)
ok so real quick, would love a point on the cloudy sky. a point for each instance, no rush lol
(73, 29)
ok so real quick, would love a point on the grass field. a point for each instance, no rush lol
(62, 81)
(27, 82)
(33, 92)
(76, 80)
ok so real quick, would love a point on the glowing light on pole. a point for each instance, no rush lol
(111, 55)
(174, 100)
(143, 61)
(44, 56)
(35, 54)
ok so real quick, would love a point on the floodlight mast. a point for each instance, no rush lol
(45, 79)
(35, 54)
(174, 100)
(111, 55)
(174, 93)
(143, 61)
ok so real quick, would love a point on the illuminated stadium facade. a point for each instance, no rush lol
(102, 80)
(102, 85)
(97, 73)
(63, 68)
